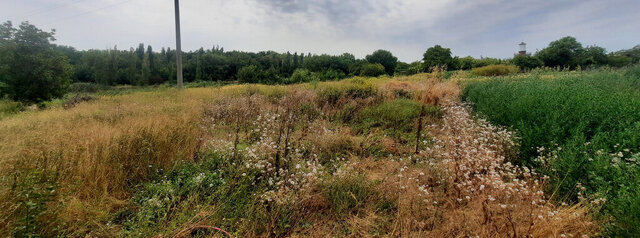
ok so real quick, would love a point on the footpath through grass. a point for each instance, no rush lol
(580, 128)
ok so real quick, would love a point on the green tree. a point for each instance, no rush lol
(594, 55)
(437, 56)
(526, 62)
(249, 74)
(619, 60)
(565, 52)
(384, 58)
(372, 70)
(31, 68)
(467, 63)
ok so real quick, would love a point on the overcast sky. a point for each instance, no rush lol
(490, 28)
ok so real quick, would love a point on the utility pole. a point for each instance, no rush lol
(178, 46)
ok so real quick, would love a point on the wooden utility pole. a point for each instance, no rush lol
(178, 46)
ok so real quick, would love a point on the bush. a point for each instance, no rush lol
(331, 92)
(87, 87)
(301, 76)
(372, 70)
(8, 107)
(495, 70)
(249, 74)
(619, 60)
(633, 72)
(527, 62)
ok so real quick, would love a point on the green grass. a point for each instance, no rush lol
(584, 118)
(8, 107)
(397, 116)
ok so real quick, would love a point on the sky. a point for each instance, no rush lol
(487, 28)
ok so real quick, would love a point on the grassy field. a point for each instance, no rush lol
(361, 157)
(580, 128)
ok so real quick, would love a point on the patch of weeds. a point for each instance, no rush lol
(33, 192)
(347, 193)
(395, 116)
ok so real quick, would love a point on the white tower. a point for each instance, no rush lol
(523, 48)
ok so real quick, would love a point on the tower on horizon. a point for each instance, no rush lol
(523, 48)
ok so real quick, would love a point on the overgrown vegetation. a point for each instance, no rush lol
(495, 70)
(357, 157)
(581, 129)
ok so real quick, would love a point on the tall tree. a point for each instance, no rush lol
(151, 59)
(385, 58)
(30, 66)
(437, 56)
(565, 52)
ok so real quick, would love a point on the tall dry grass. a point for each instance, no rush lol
(99, 149)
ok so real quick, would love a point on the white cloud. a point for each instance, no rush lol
(406, 27)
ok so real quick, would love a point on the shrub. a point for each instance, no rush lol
(8, 107)
(527, 62)
(302, 76)
(495, 70)
(249, 74)
(372, 70)
(87, 87)
(330, 93)
(633, 72)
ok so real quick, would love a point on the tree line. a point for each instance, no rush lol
(34, 69)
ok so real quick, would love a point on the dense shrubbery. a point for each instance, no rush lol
(384, 58)
(372, 70)
(527, 62)
(495, 70)
(581, 130)
(8, 107)
(86, 87)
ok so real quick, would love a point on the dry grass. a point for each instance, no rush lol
(295, 139)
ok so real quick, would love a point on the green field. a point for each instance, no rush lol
(580, 128)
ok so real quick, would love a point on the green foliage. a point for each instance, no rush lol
(384, 58)
(527, 62)
(302, 76)
(32, 69)
(324, 63)
(633, 72)
(409, 69)
(619, 60)
(438, 56)
(495, 70)
(372, 70)
(397, 116)
(589, 126)
(185, 183)
(33, 191)
(633, 54)
(564, 52)
(87, 87)
(594, 55)
(8, 107)
(249, 74)
(353, 88)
